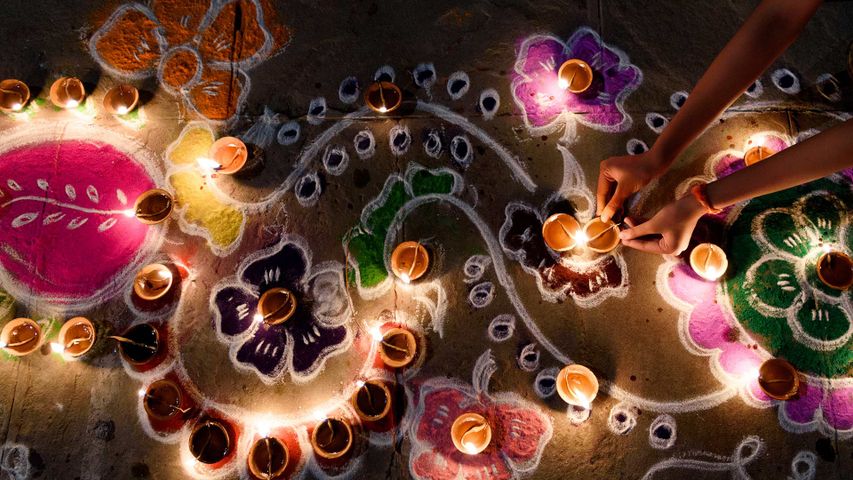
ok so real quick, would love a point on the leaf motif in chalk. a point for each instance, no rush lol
(107, 224)
(76, 223)
(69, 190)
(53, 218)
(42, 184)
(24, 219)
(92, 193)
(122, 197)
(13, 185)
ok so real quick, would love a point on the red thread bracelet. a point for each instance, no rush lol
(700, 193)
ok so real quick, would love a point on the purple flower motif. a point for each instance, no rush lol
(301, 344)
(546, 106)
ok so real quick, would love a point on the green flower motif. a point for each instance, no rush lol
(773, 286)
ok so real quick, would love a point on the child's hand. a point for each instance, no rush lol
(669, 231)
(621, 177)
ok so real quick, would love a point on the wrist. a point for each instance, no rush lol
(692, 206)
(659, 161)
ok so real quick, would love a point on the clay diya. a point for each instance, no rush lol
(121, 99)
(162, 400)
(276, 306)
(332, 438)
(76, 337)
(599, 236)
(398, 347)
(153, 281)
(577, 385)
(471, 433)
(14, 95)
(228, 155)
(20, 337)
(210, 441)
(778, 379)
(709, 261)
(383, 97)
(757, 154)
(67, 92)
(372, 401)
(409, 261)
(153, 206)
(139, 344)
(267, 458)
(559, 232)
(835, 269)
(575, 76)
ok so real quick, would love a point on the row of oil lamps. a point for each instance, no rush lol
(67, 92)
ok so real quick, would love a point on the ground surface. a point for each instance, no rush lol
(668, 348)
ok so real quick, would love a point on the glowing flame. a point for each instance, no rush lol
(3, 344)
(826, 248)
(712, 273)
(72, 104)
(258, 318)
(122, 110)
(470, 447)
(405, 278)
(382, 109)
(56, 347)
(17, 106)
(581, 238)
(129, 212)
(376, 333)
(208, 164)
(141, 392)
(263, 425)
(563, 83)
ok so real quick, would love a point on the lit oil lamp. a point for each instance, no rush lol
(276, 306)
(20, 337)
(383, 97)
(67, 92)
(372, 401)
(14, 95)
(397, 347)
(471, 433)
(121, 99)
(139, 344)
(600, 236)
(577, 385)
(162, 400)
(409, 261)
(560, 231)
(76, 337)
(778, 379)
(835, 269)
(709, 261)
(267, 458)
(153, 281)
(757, 154)
(210, 441)
(575, 76)
(227, 155)
(332, 438)
(153, 206)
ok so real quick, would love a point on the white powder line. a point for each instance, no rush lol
(69, 206)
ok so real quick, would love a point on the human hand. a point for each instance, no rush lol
(669, 231)
(621, 177)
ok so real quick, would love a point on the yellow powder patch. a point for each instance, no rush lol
(200, 207)
(195, 143)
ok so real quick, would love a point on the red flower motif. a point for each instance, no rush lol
(196, 51)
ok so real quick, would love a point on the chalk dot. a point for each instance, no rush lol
(755, 90)
(317, 111)
(622, 419)
(432, 144)
(349, 91)
(308, 189)
(662, 432)
(335, 160)
(424, 75)
(804, 465)
(364, 144)
(677, 99)
(461, 150)
(545, 384)
(502, 327)
(458, 84)
(578, 415)
(636, 146)
(828, 87)
(475, 267)
(289, 132)
(482, 294)
(385, 73)
(490, 100)
(399, 139)
(656, 122)
(786, 81)
(528, 358)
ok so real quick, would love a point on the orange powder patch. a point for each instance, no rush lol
(216, 95)
(234, 35)
(179, 67)
(180, 19)
(130, 44)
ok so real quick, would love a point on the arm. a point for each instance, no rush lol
(768, 31)
(669, 231)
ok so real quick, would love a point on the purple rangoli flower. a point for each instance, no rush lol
(546, 106)
(318, 329)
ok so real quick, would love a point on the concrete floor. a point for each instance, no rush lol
(82, 420)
